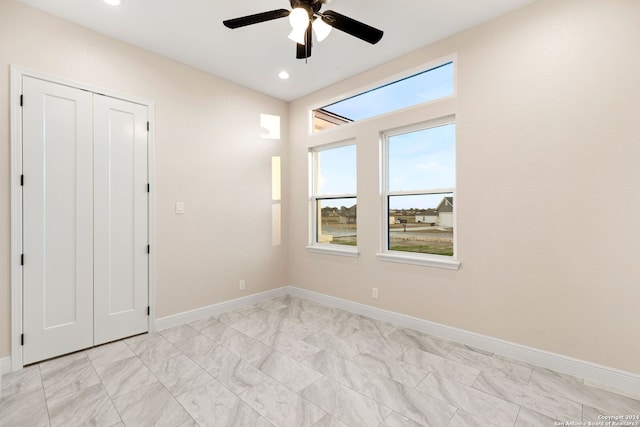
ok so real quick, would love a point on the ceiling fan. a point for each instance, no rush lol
(306, 18)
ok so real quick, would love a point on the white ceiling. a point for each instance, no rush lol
(191, 31)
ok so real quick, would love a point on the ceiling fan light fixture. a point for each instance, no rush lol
(299, 18)
(321, 28)
(298, 35)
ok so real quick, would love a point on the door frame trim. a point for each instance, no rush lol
(15, 117)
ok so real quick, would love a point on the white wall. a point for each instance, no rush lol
(209, 155)
(547, 135)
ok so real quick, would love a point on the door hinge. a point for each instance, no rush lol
(21, 259)
(148, 310)
(148, 126)
(148, 249)
(22, 180)
(21, 100)
(22, 339)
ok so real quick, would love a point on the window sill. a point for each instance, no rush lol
(427, 261)
(348, 251)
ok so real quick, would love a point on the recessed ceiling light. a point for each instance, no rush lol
(283, 75)
(112, 2)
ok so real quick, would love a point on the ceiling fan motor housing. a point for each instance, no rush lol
(311, 6)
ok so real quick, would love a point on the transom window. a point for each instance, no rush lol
(428, 85)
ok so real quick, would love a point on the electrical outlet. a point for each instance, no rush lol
(242, 285)
(374, 293)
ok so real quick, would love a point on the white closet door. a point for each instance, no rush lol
(120, 219)
(57, 220)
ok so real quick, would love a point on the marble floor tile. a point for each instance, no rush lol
(261, 422)
(298, 314)
(397, 420)
(179, 374)
(528, 418)
(27, 408)
(68, 376)
(331, 326)
(24, 380)
(376, 344)
(288, 372)
(296, 330)
(202, 324)
(155, 350)
(213, 404)
(295, 362)
(444, 368)
(219, 332)
(230, 317)
(265, 316)
(575, 389)
(375, 327)
(254, 328)
(273, 305)
(109, 353)
(124, 376)
(280, 406)
(345, 404)
(409, 402)
(330, 421)
(179, 333)
(552, 406)
(246, 348)
(232, 371)
(343, 348)
(475, 402)
(294, 348)
(412, 339)
(89, 406)
(491, 366)
(339, 369)
(152, 405)
(465, 419)
(61, 362)
(374, 363)
(197, 348)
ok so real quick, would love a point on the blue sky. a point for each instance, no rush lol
(426, 86)
(421, 160)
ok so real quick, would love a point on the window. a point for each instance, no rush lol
(419, 182)
(333, 199)
(428, 85)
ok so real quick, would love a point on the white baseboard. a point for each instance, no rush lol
(625, 382)
(5, 365)
(216, 309)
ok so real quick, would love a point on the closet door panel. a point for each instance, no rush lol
(121, 219)
(57, 220)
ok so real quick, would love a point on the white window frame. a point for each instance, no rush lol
(314, 245)
(430, 260)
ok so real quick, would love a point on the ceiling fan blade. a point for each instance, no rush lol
(303, 51)
(255, 19)
(351, 26)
